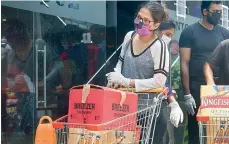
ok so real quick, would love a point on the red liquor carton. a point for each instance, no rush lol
(91, 104)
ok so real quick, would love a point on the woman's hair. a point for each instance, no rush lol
(16, 28)
(165, 25)
(157, 10)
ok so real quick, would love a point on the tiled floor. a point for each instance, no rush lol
(17, 139)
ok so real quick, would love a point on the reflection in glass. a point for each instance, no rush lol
(18, 91)
(43, 56)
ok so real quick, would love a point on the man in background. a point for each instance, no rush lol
(219, 58)
(197, 42)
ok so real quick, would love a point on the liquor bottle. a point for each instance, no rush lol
(97, 139)
(82, 139)
(226, 134)
(220, 133)
(89, 140)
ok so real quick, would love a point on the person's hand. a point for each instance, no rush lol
(118, 78)
(190, 104)
(112, 85)
(20, 85)
(19, 79)
(176, 114)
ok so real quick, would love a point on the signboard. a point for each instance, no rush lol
(214, 101)
(87, 11)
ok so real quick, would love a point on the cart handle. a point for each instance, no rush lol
(163, 92)
(157, 90)
(45, 118)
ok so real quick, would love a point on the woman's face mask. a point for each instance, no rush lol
(141, 28)
(166, 39)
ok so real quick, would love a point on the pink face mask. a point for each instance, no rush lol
(141, 28)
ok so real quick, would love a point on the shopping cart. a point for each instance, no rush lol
(212, 129)
(134, 128)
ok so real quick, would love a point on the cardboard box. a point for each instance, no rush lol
(83, 136)
(214, 113)
(96, 105)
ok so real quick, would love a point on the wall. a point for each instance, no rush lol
(181, 23)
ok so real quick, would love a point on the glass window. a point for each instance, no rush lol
(47, 48)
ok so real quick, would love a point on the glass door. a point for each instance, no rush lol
(18, 97)
(46, 49)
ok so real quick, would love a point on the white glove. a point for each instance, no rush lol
(176, 113)
(118, 78)
(190, 104)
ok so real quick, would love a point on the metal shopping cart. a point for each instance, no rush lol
(137, 127)
(212, 129)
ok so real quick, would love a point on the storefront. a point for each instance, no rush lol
(60, 44)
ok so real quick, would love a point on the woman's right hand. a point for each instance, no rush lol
(112, 85)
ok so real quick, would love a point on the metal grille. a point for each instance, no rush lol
(225, 16)
(214, 131)
(181, 8)
(137, 127)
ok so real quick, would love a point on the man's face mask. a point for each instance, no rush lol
(166, 39)
(141, 28)
(213, 17)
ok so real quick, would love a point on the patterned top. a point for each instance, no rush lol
(149, 68)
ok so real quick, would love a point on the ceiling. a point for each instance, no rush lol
(129, 6)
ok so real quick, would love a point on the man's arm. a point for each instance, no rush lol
(184, 66)
(185, 44)
(208, 73)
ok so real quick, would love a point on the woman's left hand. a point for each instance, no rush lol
(112, 85)
(176, 114)
(118, 78)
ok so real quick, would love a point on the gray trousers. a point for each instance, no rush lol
(159, 125)
(169, 132)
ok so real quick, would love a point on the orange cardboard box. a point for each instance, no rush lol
(214, 113)
(83, 136)
(92, 104)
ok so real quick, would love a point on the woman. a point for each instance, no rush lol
(144, 63)
(165, 31)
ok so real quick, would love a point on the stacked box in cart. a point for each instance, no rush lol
(78, 136)
(101, 105)
(214, 113)
(214, 101)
